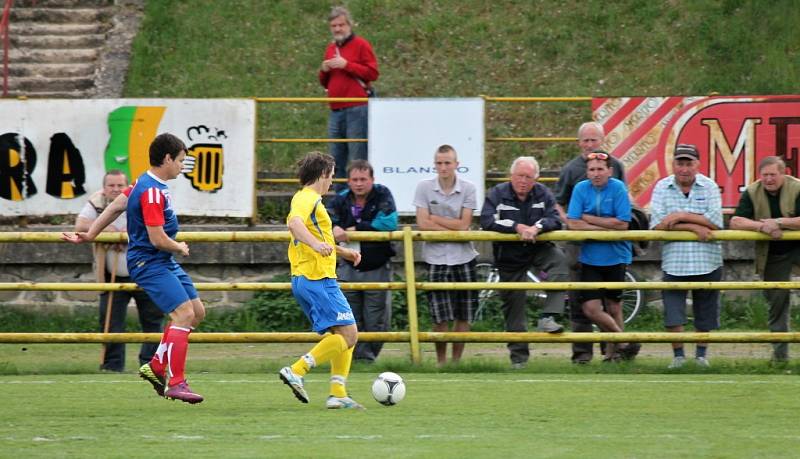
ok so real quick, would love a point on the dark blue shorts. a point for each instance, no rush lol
(323, 303)
(165, 282)
(705, 303)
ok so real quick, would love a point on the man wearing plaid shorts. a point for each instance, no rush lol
(689, 201)
(446, 203)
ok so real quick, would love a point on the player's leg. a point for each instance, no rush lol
(314, 297)
(340, 370)
(172, 291)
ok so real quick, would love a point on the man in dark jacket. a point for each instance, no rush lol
(365, 206)
(527, 208)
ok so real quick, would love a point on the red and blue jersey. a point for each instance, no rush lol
(149, 204)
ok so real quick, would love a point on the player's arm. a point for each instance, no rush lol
(111, 212)
(350, 255)
(161, 241)
(83, 224)
(300, 233)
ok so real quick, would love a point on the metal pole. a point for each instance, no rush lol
(411, 295)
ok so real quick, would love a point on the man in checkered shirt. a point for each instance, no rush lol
(689, 201)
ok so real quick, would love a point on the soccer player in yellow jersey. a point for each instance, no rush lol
(312, 254)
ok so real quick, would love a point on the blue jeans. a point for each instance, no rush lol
(347, 123)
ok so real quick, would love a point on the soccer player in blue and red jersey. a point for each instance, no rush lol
(312, 254)
(152, 226)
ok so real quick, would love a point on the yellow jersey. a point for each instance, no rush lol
(307, 204)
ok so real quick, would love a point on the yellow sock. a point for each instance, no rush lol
(329, 347)
(340, 369)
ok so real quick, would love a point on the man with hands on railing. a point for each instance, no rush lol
(527, 208)
(110, 263)
(689, 201)
(365, 206)
(771, 205)
(601, 203)
(590, 138)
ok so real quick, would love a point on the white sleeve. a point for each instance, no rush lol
(88, 212)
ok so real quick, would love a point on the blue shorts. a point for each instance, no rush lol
(323, 303)
(165, 282)
(705, 303)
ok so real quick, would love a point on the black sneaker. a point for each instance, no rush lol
(630, 351)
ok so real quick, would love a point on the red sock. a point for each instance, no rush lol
(177, 345)
(159, 361)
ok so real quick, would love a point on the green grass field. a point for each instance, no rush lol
(479, 409)
(444, 415)
(458, 48)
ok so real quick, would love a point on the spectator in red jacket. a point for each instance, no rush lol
(348, 70)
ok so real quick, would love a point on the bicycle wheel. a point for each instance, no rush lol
(631, 299)
(486, 272)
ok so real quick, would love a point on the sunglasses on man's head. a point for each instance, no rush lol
(601, 156)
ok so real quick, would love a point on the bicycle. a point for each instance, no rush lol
(631, 298)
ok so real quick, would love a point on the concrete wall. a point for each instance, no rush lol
(236, 262)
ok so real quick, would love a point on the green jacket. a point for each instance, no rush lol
(789, 191)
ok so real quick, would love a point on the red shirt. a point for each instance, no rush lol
(361, 64)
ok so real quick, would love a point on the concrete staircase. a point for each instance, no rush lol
(58, 47)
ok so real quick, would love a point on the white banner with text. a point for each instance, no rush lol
(54, 153)
(405, 133)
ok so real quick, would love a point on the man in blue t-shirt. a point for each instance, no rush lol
(601, 203)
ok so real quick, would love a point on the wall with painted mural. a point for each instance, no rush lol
(732, 133)
(53, 153)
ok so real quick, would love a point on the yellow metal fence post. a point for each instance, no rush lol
(411, 295)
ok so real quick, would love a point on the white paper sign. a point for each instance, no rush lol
(405, 133)
(54, 153)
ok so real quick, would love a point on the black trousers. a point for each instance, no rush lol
(150, 317)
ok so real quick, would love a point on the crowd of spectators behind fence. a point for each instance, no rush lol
(686, 200)
(590, 195)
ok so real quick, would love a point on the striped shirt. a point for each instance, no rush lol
(680, 258)
(149, 204)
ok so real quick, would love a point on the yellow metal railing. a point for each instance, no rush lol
(423, 337)
(414, 337)
(295, 100)
(416, 235)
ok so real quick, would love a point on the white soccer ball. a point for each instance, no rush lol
(388, 388)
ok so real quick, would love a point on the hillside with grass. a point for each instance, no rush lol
(456, 48)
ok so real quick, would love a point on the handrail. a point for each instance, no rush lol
(413, 336)
(264, 286)
(283, 236)
(364, 99)
(4, 21)
(424, 337)
(342, 180)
